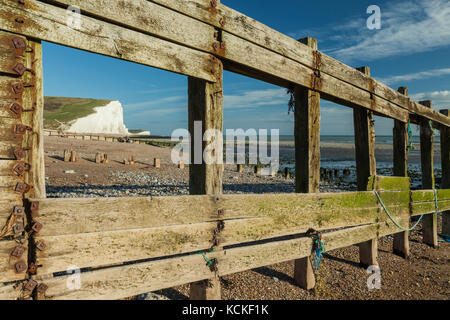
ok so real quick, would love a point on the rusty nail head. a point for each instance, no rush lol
(215, 46)
(19, 69)
(19, 20)
(16, 109)
(18, 228)
(42, 288)
(32, 268)
(30, 285)
(18, 252)
(220, 212)
(19, 211)
(18, 87)
(19, 43)
(41, 245)
(21, 129)
(223, 45)
(20, 169)
(19, 154)
(20, 266)
(213, 3)
(222, 21)
(34, 206)
(22, 187)
(37, 226)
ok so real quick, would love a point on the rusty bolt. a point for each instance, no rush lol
(19, 43)
(19, 169)
(19, 69)
(18, 211)
(220, 212)
(22, 187)
(18, 87)
(18, 252)
(42, 288)
(222, 21)
(215, 46)
(213, 3)
(20, 266)
(19, 154)
(18, 228)
(34, 206)
(41, 245)
(32, 268)
(37, 226)
(30, 285)
(223, 45)
(16, 109)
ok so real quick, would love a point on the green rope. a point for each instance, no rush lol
(420, 219)
(392, 219)
(432, 129)
(410, 146)
(209, 262)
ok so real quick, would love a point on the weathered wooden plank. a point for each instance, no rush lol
(381, 183)
(125, 281)
(34, 139)
(10, 56)
(365, 168)
(49, 23)
(400, 148)
(445, 160)
(106, 248)
(419, 208)
(201, 37)
(307, 157)
(253, 31)
(10, 292)
(429, 225)
(205, 106)
(7, 262)
(7, 167)
(70, 216)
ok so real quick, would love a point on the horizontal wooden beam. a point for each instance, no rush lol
(240, 25)
(295, 211)
(49, 23)
(130, 280)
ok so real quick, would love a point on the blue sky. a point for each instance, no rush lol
(411, 49)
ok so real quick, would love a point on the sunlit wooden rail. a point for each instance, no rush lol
(129, 246)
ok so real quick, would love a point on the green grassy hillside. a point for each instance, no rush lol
(68, 109)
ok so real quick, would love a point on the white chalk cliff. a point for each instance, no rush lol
(107, 119)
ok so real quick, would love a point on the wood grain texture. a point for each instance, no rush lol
(7, 262)
(10, 291)
(126, 281)
(106, 248)
(9, 55)
(445, 160)
(255, 32)
(47, 22)
(429, 223)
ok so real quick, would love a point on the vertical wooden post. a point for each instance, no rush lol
(365, 168)
(307, 158)
(400, 145)
(427, 157)
(205, 106)
(445, 159)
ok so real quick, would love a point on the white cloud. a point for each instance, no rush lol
(256, 98)
(407, 27)
(416, 76)
(441, 99)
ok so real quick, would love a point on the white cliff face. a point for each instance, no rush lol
(107, 119)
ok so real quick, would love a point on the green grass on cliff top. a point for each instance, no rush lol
(68, 109)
